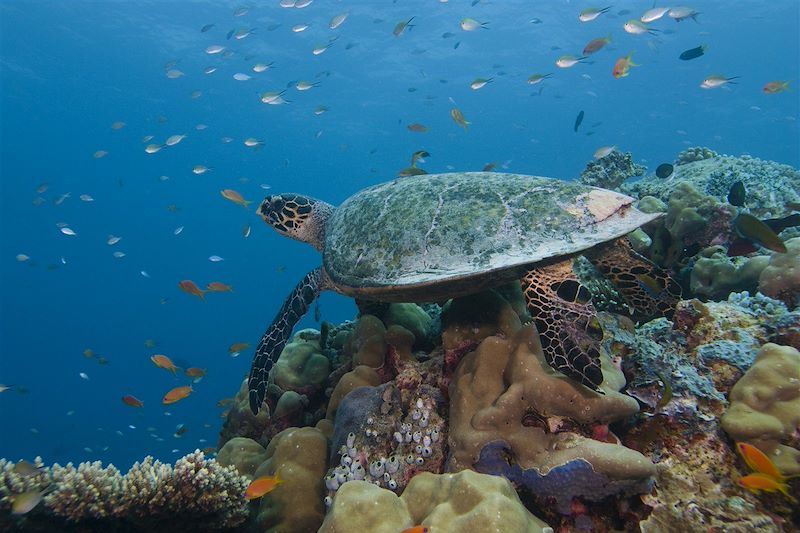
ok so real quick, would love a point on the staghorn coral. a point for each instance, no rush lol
(89, 491)
(765, 406)
(196, 494)
(447, 503)
(610, 171)
(781, 278)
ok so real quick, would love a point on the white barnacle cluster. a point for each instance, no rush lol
(88, 491)
(412, 444)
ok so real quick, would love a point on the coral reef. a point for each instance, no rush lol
(511, 414)
(196, 493)
(298, 457)
(301, 366)
(770, 186)
(765, 406)
(466, 501)
(781, 278)
(715, 275)
(695, 153)
(610, 171)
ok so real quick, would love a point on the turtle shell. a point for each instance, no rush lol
(462, 231)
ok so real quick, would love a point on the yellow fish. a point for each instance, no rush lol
(459, 119)
(235, 197)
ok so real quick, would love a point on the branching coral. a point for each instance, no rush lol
(196, 494)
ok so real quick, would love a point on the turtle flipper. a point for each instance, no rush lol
(648, 290)
(276, 337)
(565, 318)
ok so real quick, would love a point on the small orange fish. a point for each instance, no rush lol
(162, 361)
(261, 486)
(235, 197)
(177, 394)
(757, 482)
(775, 87)
(417, 127)
(195, 372)
(133, 401)
(209, 450)
(458, 118)
(239, 347)
(417, 529)
(622, 66)
(224, 402)
(758, 461)
(218, 286)
(191, 287)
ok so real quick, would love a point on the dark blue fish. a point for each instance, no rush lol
(664, 170)
(737, 194)
(578, 121)
(206, 28)
(693, 53)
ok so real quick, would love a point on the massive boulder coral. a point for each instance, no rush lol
(447, 503)
(781, 278)
(195, 494)
(301, 366)
(298, 457)
(511, 414)
(765, 406)
(715, 275)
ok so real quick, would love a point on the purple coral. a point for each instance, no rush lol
(576, 478)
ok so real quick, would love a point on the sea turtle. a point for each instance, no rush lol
(433, 237)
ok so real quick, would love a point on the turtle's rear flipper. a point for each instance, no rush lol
(648, 290)
(277, 335)
(565, 318)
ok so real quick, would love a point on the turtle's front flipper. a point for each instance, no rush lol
(565, 317)
(278, 334)
(648, 290)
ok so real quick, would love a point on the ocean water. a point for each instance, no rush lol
(69, 70)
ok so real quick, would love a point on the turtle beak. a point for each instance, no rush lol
(268, 210)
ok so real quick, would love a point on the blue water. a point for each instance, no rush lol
(71, 69)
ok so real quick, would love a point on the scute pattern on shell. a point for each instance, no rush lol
(431, 228)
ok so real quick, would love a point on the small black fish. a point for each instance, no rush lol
(693, 53)
(736, 195)
(206, 28)
(578, 121)
(664, 170)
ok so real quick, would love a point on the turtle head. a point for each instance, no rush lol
(299, 217)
